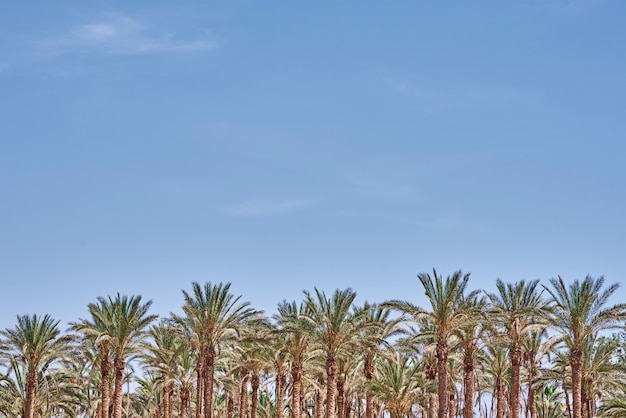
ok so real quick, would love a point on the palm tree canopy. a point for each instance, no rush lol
(444, 296)
(332, 319)
(213, 313)
(579, 309)
(35, 341)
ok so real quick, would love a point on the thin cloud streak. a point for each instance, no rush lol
(124, 36)
(258, 208)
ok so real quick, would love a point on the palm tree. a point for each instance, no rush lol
(579, 315)
(517, 309)
(127, 329)
(396, 385)
(161, 356)
(496, 368)
(57, 392)
(36, 343)
(445, 317)
(336, 330)
(374, 336)
(213, 316)
(468, 337)
(297, 333)
(535, 348)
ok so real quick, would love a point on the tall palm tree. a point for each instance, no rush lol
(117, 327)
(445, 317)
(336, 330)
(297, 333)
(98, 331)
(517, 309)
(579, 315)
(213, 315)
(469, 336)
(36, 343)
(128, 326)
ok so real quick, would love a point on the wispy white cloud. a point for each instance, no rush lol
(474, 96)
(123, 35)
(257, 208)
(3, 66)
(377, 180)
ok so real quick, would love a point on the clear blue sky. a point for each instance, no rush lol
(286, 145)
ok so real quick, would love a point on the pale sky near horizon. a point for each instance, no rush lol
(286, 145)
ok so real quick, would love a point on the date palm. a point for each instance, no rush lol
(296, 332)
(468, 337)
(213, 316)
(378, 328)
(128, 326)
(580, 313)
(98, 331)
(336, 330)
(35, 342)
(517, 309)
(396, 385)
(445, 316)
(57, 392)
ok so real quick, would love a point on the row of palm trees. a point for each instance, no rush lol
(526, 348)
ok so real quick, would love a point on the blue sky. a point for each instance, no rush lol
(286, 145)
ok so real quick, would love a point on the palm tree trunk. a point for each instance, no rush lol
(432, 406)
(243, 395)
(280, 392)
(452, 406)
(255, 395)
(442, 378)
(576, 361)
(166, 401)
(348, 408)
(31, 390)
(341, 396)
(516, 362)
(319, 400)
(105, 372)
(199, 386)
(368, 370)
(331, 373)
(499, 398)
(468, 383)
(230, 406)
(184, 402)
(532, 404)
(296, 390)
(209, 357)
(119, 364)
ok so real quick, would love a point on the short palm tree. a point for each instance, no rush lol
(36, 343)
(445, 317)
(580, 313)
(396, 385)
(373, 339)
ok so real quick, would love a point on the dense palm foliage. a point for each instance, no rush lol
(519, 351)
